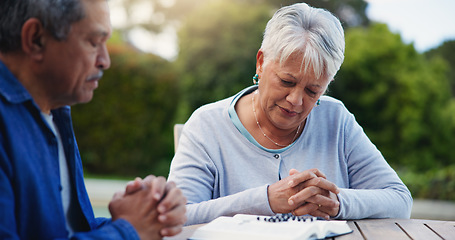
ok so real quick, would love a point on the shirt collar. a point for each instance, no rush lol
(10, 88)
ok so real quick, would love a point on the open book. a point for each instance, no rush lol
(283, 227)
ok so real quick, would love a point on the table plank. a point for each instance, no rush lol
(372, 229)
(416, 229)
(446, 230)
(380, 229)
(355, 235)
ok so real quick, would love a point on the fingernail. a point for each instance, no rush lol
(291, 183)
(157, 196)
(291, 202)
(162, 218)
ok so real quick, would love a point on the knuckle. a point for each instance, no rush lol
(313, 190)
(171, 184)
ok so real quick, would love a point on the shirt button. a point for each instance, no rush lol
(277, 156)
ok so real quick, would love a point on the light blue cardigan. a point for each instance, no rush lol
(222, 173)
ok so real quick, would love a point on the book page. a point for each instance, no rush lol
(259, 227)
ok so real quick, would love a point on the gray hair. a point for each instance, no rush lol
(55, 15)
(314, 32)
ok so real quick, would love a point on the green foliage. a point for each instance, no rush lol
(398, 96)
(431, 184)
(218, 46)
(127, 128)
(446, 51)
(350, 12)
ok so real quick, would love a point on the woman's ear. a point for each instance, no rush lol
(33, 38)
(259, 62)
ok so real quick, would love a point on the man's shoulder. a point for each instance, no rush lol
(11, 89)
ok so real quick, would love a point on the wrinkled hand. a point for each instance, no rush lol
(154, 207)
(307, 192)
(139, 209)
(172, 210)
(319, 197)
(172, 205)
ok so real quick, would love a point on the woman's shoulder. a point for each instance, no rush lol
(331, 100)
(330, 106)
(219, 107)
(332, 114)
(213, 107)
(210, 114)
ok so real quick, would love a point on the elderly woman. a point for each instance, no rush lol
(280, 146)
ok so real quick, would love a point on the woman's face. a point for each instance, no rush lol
(286, 94)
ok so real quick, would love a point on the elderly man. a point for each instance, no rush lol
(52, 55)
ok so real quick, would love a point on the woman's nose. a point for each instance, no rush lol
(295, 97)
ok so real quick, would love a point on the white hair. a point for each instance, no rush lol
(315, 33)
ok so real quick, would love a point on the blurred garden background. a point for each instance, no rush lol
(403, 98)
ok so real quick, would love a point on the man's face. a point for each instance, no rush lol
(73, 67)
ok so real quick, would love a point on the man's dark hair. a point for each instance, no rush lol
(57, 16)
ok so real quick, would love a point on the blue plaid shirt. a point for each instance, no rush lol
(30, 198)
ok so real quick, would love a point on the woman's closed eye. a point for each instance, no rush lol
(287, 83)
(311, 92)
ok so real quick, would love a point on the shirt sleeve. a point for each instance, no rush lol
(119, 229)
(106, 229)
(195, 173)
(7, 217)
(375, 189)
(252, 201)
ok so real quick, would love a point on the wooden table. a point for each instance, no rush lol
(383, 229)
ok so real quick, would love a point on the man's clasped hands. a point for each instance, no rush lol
(155, 208)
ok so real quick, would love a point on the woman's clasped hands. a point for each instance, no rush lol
(306, 192)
